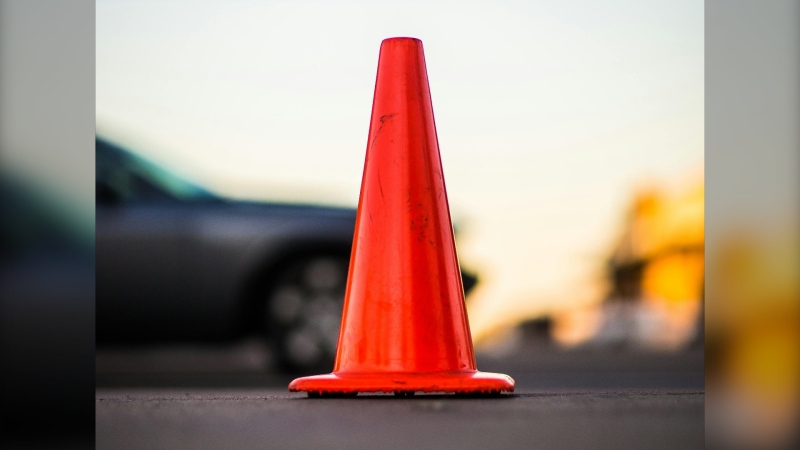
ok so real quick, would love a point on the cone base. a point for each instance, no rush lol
(471, 382)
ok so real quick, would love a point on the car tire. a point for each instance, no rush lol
(304, 310)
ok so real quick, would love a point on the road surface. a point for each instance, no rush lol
(563, 400)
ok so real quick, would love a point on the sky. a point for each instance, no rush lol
(549, 114)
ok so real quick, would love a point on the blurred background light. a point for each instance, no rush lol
(753, 224)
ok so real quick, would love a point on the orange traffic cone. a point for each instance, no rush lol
(404, 327)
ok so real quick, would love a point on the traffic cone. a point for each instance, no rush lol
(404, 326)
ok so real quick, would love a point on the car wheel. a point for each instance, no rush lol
(304, 312)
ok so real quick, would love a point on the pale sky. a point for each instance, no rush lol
(548, 114)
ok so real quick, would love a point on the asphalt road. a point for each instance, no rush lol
(233, 419)
(589, 399)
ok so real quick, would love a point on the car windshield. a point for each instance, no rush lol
(127, 177)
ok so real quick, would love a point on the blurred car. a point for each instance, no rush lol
(178, 263)
(46, 307)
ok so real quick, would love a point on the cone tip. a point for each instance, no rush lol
(401, 38)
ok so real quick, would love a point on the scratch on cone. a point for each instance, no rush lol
(404, 327)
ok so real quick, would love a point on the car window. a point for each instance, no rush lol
(125, 178)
